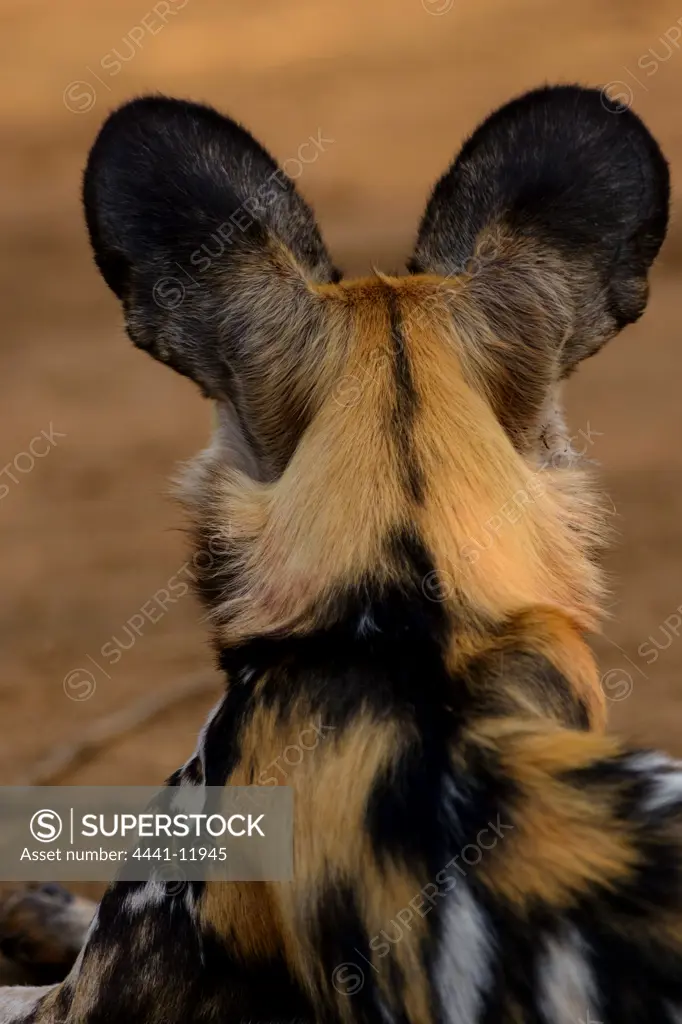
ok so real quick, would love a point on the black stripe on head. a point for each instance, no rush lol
(406, 403)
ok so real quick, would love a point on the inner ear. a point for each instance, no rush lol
(544, 229)
(215, 257)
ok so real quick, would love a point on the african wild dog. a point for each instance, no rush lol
(407, 556)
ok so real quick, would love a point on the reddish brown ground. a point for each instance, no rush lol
(89, 535)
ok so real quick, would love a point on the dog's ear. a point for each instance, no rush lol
(548, 221)
(215, 256)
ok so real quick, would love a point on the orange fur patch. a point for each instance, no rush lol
(566, 838)
(506, 534)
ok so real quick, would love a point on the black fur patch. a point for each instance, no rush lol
(189, 975)
(512, 992)
(406, 403)
(220, 751)
(491, 678)
(189, 219)
(564, 165)
(343, 945)
(556, 207)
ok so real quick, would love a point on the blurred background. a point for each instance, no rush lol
(100, 686)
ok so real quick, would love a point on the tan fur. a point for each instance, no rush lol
(565, 839)
(510, 540)
(331, 788)
(505, 534)
(547, 632)
(500, 528)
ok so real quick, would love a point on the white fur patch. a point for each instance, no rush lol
(463, 969)
(366, 624)
(674, 1011)
(17, 1003)
(665, 776)
(152, 894)
(566, 989)
(204, 732)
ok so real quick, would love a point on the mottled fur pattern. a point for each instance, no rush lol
(42, 928)
(399, 550)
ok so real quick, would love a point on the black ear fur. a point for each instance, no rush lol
(565, 170)
(214, 254)
(200, 234)
(165, 174)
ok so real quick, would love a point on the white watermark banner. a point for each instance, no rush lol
(141, 833)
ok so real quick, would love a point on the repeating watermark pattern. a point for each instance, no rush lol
(438, 586)
(348, 978)
(170, 290)
(80, 683)
(438, 7)
(618, 683)
(23, 463)
(173, 879)
(80, 96)
(667, 633)
(293, 755)
(349, 389)
(621, 91)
